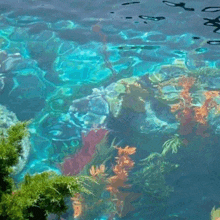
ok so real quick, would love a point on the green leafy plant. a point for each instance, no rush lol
(172, 144)
(38, 195)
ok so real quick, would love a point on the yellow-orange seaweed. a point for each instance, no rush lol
(127, 150)
(77, 205)
(95, 171)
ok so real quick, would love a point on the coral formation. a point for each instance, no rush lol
(205, 71)
(185, 104)
(189, 115)
(124, 164)
(201, 113)
(73, 165)
(107, 195)
(77, 205)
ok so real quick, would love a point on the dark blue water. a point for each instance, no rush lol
(75, 66)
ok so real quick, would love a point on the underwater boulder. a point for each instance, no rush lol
(10, 62)
(149, 123)
(61, 129)
(90, 110)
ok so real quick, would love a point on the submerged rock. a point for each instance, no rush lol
(10, 62)
(129, 96)
(93, 109)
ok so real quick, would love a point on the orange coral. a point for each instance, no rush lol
(96, 171)
(77, 205)
(186, 102)
(186, 82)
(127, 150)
(124, 164)
(211, 94)
(125, 161)
(201, 113)
(112, 189)
(176, 107)
(188, 115)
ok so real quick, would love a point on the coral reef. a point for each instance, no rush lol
(205, 71)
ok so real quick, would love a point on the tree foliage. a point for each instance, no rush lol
(38, 195)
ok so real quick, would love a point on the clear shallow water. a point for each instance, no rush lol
(60, 64)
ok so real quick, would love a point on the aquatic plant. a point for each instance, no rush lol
(97, 171)
(103, 154)
(172, 144)
(151, 176)
(7, 119)
(88, 206)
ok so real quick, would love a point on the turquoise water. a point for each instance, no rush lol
(146, 72)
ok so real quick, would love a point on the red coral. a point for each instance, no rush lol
(75, 163)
